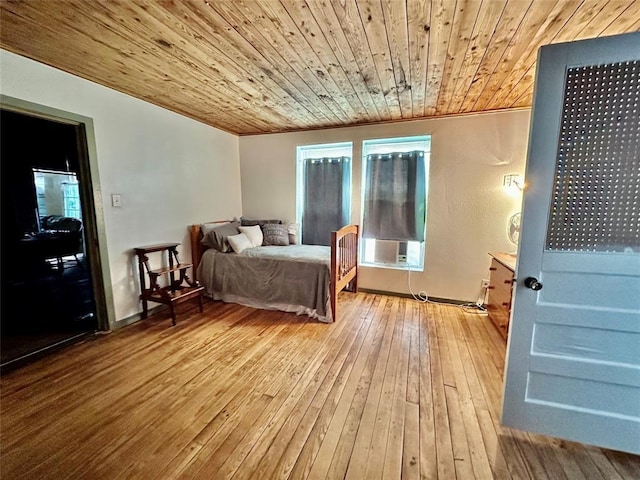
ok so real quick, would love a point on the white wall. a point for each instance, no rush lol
(170, 170)
(468, 208)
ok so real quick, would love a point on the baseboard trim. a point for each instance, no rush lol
(136, 317)
(408, 295)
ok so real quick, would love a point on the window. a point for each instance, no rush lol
(394, 201)
(40, 193)
(71, 198)
(57, 193)
(323, 190)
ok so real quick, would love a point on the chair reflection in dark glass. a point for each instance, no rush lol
(59, 237)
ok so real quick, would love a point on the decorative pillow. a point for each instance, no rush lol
(275, 234)
(294, 229)
(216, 237)
(239, 242)
(207, 227)
(254, 234)
(248, 222)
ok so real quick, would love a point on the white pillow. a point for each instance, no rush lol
(239, 242)
(254, 234)
(294, 230)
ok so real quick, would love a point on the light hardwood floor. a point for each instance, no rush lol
(395, 389)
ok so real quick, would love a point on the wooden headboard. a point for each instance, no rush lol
(197, 248)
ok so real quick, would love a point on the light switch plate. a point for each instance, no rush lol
(116, 200)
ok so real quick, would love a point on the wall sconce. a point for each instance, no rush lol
(512, 181)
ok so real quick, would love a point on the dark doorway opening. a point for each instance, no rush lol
(47, 289)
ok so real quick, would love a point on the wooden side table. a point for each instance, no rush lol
(179, 287)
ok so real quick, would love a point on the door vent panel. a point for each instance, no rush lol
(596, 197)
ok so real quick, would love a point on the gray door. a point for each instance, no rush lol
(573, 365)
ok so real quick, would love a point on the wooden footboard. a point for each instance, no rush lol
(344, 263)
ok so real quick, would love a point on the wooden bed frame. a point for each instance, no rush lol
(344, 260)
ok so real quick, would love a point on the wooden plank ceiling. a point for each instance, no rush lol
(248, 66)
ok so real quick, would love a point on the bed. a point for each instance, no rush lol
(304, 279)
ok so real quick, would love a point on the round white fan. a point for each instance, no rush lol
(513, 228)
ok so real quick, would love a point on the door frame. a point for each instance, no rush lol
(90, 197)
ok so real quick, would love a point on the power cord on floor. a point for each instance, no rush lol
(474, 308)
(477, 307)
(422, 297)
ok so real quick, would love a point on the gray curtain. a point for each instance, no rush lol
(394, 199)
(326, 198)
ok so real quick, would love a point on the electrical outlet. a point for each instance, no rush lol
(485, 282)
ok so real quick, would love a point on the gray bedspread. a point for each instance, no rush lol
(294, 278)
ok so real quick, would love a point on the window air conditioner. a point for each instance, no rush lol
(390, 251)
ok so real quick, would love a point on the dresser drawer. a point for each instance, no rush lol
(499, 275)
(500, 298)
(499, 308)
(500, 318)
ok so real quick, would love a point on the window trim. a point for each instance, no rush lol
(389, 145)
(334, 149)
